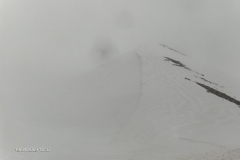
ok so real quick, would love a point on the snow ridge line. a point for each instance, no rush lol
(163, 45)
(141, 76)
(139, 58)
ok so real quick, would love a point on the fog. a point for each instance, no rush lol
(51, 94)
(64, 36)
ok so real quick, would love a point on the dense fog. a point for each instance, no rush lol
(62, 35)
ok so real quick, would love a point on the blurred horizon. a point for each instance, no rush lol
(62, 35)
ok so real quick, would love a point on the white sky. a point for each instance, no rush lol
(60, 35)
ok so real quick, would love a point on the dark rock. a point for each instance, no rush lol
(219, 94)
(179, 64)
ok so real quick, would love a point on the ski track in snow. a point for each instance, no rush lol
(184, 116)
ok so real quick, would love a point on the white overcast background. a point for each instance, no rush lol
(58, 36)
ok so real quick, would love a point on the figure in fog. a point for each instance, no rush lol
(103, 50)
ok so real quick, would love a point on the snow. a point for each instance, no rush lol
(138, 106)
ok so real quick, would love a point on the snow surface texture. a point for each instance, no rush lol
(139, 106)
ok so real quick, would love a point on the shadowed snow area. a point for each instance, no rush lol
(135, 107)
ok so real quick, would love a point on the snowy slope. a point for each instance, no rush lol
(150, 104)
